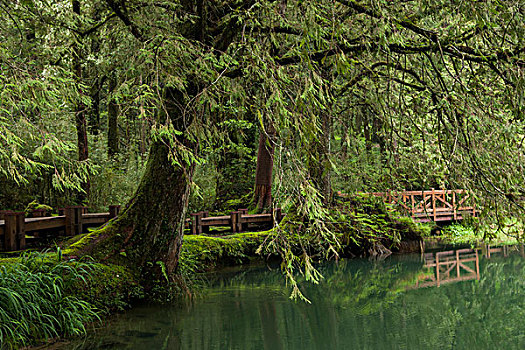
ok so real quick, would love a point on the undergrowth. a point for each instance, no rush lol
(42, 297)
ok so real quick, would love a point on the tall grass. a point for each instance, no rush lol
(35, 304)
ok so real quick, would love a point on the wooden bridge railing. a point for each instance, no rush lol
(435, 205)
(430, 205)
(73, 220)
(14, 225)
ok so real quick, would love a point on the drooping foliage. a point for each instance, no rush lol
(363, 95)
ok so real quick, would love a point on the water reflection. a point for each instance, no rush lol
(361, 304)
(459, 264)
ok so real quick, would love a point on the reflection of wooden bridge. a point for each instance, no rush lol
(431, 205)
(459, 265)
(450, 266)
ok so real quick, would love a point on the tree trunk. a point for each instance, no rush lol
(148, 234)
(113, 111)
(80, 109)
(263, 173)
(94, 113)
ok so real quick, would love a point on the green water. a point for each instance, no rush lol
(361, 304)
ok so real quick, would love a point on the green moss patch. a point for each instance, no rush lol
(201, 253)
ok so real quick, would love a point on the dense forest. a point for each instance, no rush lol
(169, 107)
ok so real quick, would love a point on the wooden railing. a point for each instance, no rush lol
(16, 229)
(430, 205)
(435, 205)
(237, 221)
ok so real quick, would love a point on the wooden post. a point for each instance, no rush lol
(205, 228)
(196, 224)
(74, 220)
(454, 206)
(240, 222)
(85, 210)
(234, 217)
(14, 232)
(434, 203)
(9, 231)
(21, 230)
(114, 210)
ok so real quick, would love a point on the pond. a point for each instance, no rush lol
(475, 299)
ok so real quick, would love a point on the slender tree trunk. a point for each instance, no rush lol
(80, 109)
(264, 170)
(113, 111)
(94, 112)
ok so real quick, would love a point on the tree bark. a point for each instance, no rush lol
(113, 111)
(80, 109)
(263, 173)
(147, 235)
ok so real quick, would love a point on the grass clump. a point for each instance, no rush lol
(468, 233)
(36, 303)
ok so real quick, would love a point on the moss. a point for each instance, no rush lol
(110, 287)
(78, 244)
(471, 233)
(200, 253)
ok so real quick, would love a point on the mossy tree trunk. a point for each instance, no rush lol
(147, 235)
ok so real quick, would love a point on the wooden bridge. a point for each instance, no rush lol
(430, 205)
